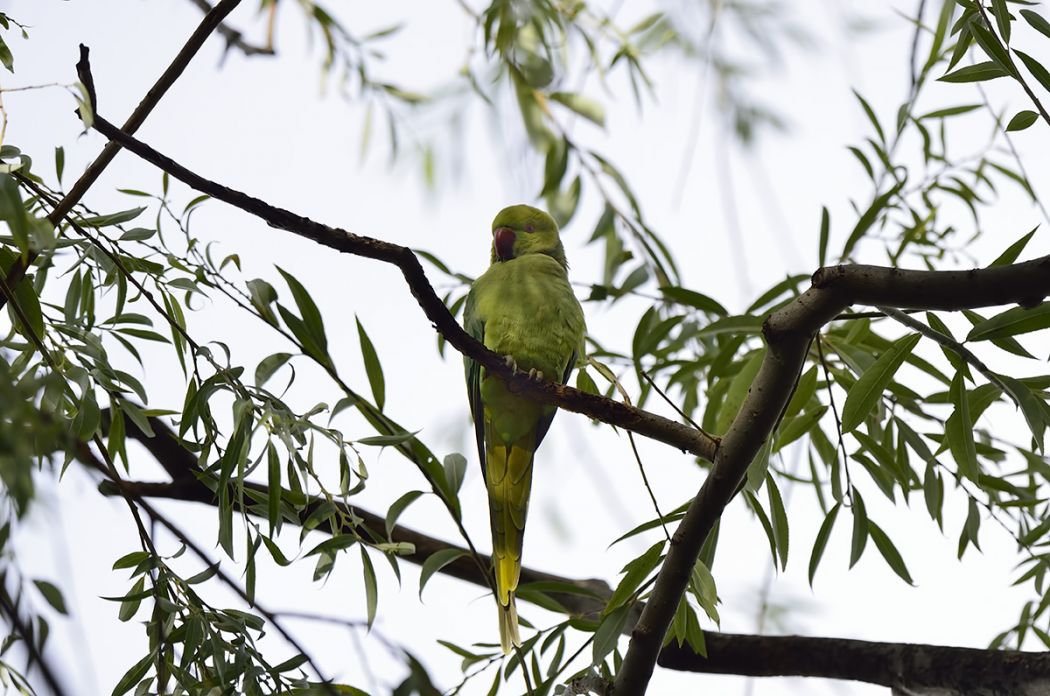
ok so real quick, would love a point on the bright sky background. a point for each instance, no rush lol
(267, 127)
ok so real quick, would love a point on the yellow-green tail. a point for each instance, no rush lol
(508, 475)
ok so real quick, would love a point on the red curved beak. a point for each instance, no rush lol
(503, 239)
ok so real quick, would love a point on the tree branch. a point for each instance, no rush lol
(138, 116)
(598, 407)
(896, 664)
(35, 656)
(952, 671)
(788, 332)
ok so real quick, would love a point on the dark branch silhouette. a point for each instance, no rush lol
(958, 670)
(787, 332)
(36, 659)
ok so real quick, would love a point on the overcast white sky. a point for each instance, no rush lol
(266, 127)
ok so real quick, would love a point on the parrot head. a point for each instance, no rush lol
(521, 229)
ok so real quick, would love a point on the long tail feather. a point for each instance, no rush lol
(508, 626)
(509, 479)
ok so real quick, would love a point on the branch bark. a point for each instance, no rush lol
(955, 671)
(788, 332)
(211, 20)
(908, 667)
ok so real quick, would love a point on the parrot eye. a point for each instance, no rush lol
(530, 228)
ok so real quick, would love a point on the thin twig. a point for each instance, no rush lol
(138, 116)
(838, 421)
(648, 378)
(234, 38)
(949, 343)
(35, 656)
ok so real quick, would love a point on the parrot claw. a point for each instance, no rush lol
(511, 363)
(536, 375)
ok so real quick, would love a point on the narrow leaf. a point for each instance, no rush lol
(867, 391)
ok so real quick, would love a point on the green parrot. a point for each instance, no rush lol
(524, 308)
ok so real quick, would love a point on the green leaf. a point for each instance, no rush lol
(311, 316)
(740, 324)
(1037, 22)
(635, 574)
(455, 468)
(1031, 407)
(1014, 250)
(693, 299)
(584, 106)
(130, 606)
(933, 493)
(435, 562)
(137, 234)
(60, 162)
(871, 115)
(262, 296)
(387, 440)
(868, 218)
(1022, 120)
(112, 218)
(821, 541)
(268, 365)
(371, 588)
(29, 305)
(607, 636)
(868, 389)
(778, 515)
(1002, 18)
(204, 575)
(1012, 322)
(825, 232)
(738, 389)
(889, 552)
(959, 431)
(798, 426)
(951, 111)
(134, 675)
(992, 48)
(130, 560)
(273, 490)
(398, 507)
(1036, 68)
(373, 368)
(860, 529)
(291, 663)
(978, 72)
(52, 594)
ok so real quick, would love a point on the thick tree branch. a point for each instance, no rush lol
(211, 20)
(914, 668)
(606, 410)
(788, 332)
(958, 671)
